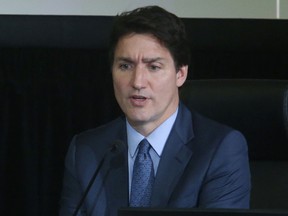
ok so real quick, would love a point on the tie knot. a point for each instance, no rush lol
(144, 147)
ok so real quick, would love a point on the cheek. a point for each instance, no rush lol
(116, 81)
(162, 92)
(166, 85)
(167, 92)
(119, 87)
(116, 88)
(120, 80)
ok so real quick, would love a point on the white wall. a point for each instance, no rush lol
(267, 9)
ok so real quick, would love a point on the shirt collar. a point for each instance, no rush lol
(157, 138)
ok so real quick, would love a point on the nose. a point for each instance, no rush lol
(139, 80)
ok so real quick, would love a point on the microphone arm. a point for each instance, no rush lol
(117, 146)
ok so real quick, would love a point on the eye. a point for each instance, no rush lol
(154, 67)
(125, 66)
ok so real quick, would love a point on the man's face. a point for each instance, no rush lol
(145, 81)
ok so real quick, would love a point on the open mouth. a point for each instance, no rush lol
(138, 97)
(138, 100)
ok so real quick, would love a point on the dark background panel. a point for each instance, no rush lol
(55, 81)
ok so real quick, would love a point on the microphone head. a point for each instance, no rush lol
(117, 158)
(117, 146)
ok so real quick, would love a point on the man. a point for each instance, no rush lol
(189, 161)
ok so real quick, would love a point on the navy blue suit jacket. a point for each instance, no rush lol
(203, 164)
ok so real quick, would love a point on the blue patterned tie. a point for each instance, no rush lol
(143, 177)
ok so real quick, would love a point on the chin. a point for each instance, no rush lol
(136, 120)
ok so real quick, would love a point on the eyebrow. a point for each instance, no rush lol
(145, 60)
(151, 60)
(123, 59)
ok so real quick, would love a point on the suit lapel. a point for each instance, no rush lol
(175, 156)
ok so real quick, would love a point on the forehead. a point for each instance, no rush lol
(141, 44)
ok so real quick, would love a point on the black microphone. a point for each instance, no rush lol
(116, 147)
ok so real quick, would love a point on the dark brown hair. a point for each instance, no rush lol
(154, 20)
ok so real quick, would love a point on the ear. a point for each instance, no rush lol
(181, 75)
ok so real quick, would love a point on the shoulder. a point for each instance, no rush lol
(208, 132)
(200, 124)
(217, 138)
(203, 124)
(102, 137)
(107, 129)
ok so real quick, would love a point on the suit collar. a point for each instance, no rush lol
(157, 138)
(183, 124)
